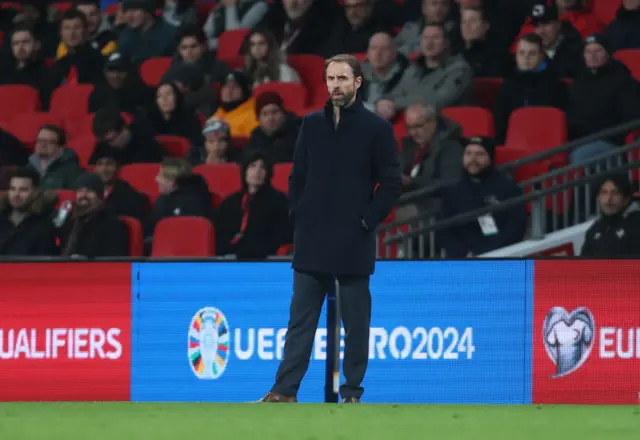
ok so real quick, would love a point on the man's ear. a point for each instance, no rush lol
(358, 82)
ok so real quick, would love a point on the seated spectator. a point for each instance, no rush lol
(145, 36)
(180, 12)
(133, 142)
(482, 185)
(278, 130)
(534, 84)
(233, 14)
(168, 115)
(82, 64)
(56, 164)
(440, 12)
(603, 96)
(89, 230)
(263, 60)
(616, 233)
(33, 15)
(26, 214)
(199, 96)
(383, 69)
(480, 49)
(430, 156)
(100, 35)
(217, 144)
(237, 105)
(24, 65)
(119, 197)
(435, 78)
(353, 30)
(253, 223)
(121, 87)
(12, 151)
(624, 31)
(182, 193)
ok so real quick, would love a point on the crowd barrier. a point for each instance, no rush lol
(503, 332)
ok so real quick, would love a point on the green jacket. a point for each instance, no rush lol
(61, 173)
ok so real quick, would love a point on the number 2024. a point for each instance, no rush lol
(432, 344)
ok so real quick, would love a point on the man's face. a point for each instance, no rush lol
(436, 11)
(20, 191)
(47, 146)
(216, 144)
(549, 32)
(135, 18)
(420, 127)
(190, 49)
(93, 17)
(296, 8)
(610, 199)
(115, 78)
(107, 169)
(358, 11)
(230, 92)
(475, 159)
(165, 185)
(381, 53)
(85, 198)
(433, 42)
(528, 56)
(256, 173)
(472, 26)
(631, 4)
(23, 45)
(595, 56)
(72, 32)
(271, 118)
(341, 83)
(258, 46)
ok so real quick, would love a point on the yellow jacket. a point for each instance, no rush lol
(242, 120)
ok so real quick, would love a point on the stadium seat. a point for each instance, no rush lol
(475, 121)
(83, 146)
(183, 237)
(485, 91)
(25, 126)
(175, 146)
(285, 250)
(142, 176)
(136, 240)
(223, 179)
(153, 69)
(294, 95)
(61, 6)
(360, 56)
(18, 99)
(230, 42)
(537, 129)
(280, 179)
(65, 195)
(605, 10)
(631, 59)
(71, 102)
(236, 62)
(311, 71)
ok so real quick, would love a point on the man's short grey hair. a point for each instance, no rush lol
(429, 111)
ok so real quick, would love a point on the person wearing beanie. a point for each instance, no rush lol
(481, 185)
(237, 105)
(278, 130)
(145, 35)
(616, 233)
(217, 146)
(253, 223)
(624, 31)
(89, 230)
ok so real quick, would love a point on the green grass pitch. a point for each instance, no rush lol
(183, 421)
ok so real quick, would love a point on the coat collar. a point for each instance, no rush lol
(353, 109)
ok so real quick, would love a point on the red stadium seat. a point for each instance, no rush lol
(175, 146)
(281, 172)
(605, 10)
(475, 121)
(18, 99)
(285, 250)
(485, 91)
(62, 6)
(230, 42)
(25, 126)
(631, 59)
(223, 179)
(294, 95)
(360, 56)
(537, 129)
(71, 102)
(142, 176)
(311, 71)
(135, 235)
(153, 69)
(83, 146)
(183, 237)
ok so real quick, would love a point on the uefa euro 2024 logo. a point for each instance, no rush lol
(208, 343)
(568, 338)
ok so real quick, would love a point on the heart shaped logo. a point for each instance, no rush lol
(568, 338)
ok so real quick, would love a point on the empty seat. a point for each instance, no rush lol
(310, 68)
(83, 146)
(71, 102)
(230, 42)
(18, 99)
(134, 228)
(25, 126)
(153, 69)
(475, 121)
(631, 59)
(281, 172)
(176, 146)
(293, 95)
(223, 179)
(183, 237)
(485, 90)
(537, 129)
(142, 176)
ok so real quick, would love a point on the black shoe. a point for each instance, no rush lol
(350, 400)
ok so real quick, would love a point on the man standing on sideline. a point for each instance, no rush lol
(342, 153)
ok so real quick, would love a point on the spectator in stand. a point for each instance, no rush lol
(90, 230)
(435, 78)
(480, 49)
(33, 15)
(217, 144)
(624, 31)
(12, 151)
(263, 60)
(100, 35)
(533, 84)
(199, 95)
(121, 88)
(180, 12)
(26, 214)
(439, 12)
(481, 186)
(168, 115)
(616, 233)
(119, 197)
(430, 156)
(82, 64)
(56, 164)
(230, 15)
(145, 36)
(383, 69)
(254, 222)
(356, 26)
(237, 105)
(276, 135)
(605, 95)
(133, 142)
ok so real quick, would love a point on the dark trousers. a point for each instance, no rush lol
(309, 291)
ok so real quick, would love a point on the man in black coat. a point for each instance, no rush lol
(345, 180)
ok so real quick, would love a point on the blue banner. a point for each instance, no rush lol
(441, 332)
